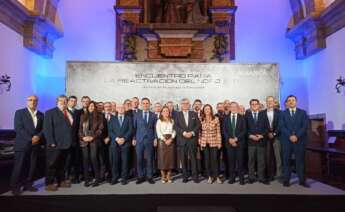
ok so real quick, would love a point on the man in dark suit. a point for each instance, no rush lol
(131, 108)
(73, 159)
(57, 130)
(173, 112)
(257, 129)
(223, 165)
(28, 124)
(145, 138)
(134, 106)
(108, 113)
(293, 124)
(187, 128)
(120, 134)
(234, 131)
(273, 148)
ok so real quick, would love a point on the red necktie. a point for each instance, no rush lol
(66, 116)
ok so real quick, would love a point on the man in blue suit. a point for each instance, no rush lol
(120, 134)
(144, 123)
(28, 124)
(257, 129)
(293, 124)
(58, 131)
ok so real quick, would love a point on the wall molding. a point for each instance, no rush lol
(36, 26)
(309, 33)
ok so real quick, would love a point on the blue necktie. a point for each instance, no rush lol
(255, 117)
(121, 121)
(146, 117)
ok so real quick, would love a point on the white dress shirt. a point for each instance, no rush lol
(107, 116)
(165, 127)
(186, 116)
(270, 115)
(34, 117)
(292, 109)
(232, 115)
(257, 115)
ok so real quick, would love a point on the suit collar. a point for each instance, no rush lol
(28, 115)
(61, 114)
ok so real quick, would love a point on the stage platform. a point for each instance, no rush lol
(179, 196)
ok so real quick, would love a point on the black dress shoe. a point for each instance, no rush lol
(75, 181)
(101, 180)
(231, 181)
(185, 180)
(140, 181)
(124, 182)
(151, 181)
(242, 182)
(30, 188)
(251, 181)
(304, 184)
(196, 180)
(265, 182)
(16, 191)
(87, 183)
(114, 182)
(96, 183)
(286, 183)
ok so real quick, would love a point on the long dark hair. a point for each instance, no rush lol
(161, 116)
(94, 114)
(203, 115)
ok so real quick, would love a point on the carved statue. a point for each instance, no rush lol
(194, 15)
(159, 11)
(173, 11)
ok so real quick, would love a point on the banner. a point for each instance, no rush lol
(161, 82)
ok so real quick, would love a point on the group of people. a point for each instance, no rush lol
(109, 142)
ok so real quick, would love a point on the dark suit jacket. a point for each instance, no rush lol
(142, 129)
(174, 114)
(125, 131)
(221, 117)
(105, 125)
(193, 125)
(261, 127)
(57, 129)
(75, 126)
(275, 127)
(240, 130)
(25, 129)
(296, 125)
(131, 112)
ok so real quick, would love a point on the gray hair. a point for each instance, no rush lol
(185, 99)
(60, 97)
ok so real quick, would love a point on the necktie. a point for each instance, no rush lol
(146, 117)
(108, 116)
(121, 121)
(293, 112)
(66, 116)
(233, 123)
(255, 117)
